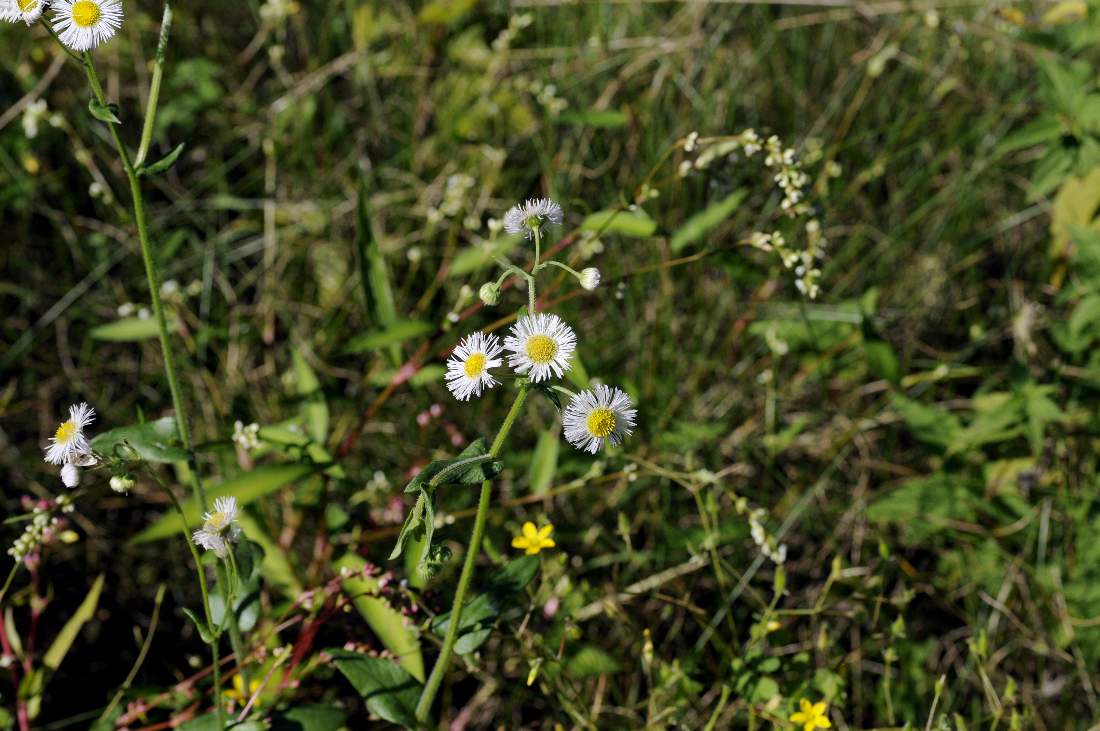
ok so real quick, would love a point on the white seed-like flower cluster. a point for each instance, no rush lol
(766, 542)
(792, 182)
(41, 529)
(246, 437)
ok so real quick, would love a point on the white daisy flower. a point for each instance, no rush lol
(525, 218)
(541, 346)
(84, 24)
(219, 528)
(69, 440)
(604, 414)
(26, 10)
(468, 367)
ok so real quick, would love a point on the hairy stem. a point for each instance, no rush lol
(424, 706)
(154, 85)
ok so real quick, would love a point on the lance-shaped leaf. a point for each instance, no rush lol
(473, 466)
(388, 690)
(480, 614)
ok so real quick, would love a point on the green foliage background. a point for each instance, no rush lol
(922, 437)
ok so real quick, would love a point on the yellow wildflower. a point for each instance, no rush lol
(811, 715)
(532, 539)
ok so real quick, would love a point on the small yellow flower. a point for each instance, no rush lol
(811, 715)
(532, 539)
(236, 693)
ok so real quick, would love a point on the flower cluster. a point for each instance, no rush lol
(539, 347)
(79, 24)
(767, 543)
(41, 529)
(791, 180)
(69, 447)
(247, 437)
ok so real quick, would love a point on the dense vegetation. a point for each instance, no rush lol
(916, 445)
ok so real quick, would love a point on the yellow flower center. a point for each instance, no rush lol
(601, 422)
(27, 5)
(85, 13)
(65, 432)
(216, 522)
(475, 365)
(541, 348)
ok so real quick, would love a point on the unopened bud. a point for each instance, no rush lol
(489, 293)
(590, 278)
(121, 484)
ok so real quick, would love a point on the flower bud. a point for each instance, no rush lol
(121, 484)
(489, 293)
(590, 278)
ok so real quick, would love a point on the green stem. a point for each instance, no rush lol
(214, 651)
(424, 706)
(231, 615)
(154, 85)
(153, 277)
(531, 277)
(7, 583)
(566, 267)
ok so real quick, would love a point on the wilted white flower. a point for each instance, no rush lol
(84, 24)
(468, 367)
(69, 440)
(541, 345)
(219, 528)
(70, 475)
(26, 10)
(590, 278)
(604, 414)
(526, 218)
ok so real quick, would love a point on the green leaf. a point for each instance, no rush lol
(924, 505)
(398, 332)
(928, 424)
(246, 487)
(1045, 128)
(419, 526)
(246, 602)
(480, 614)
(627, 223)
(200, 624)
(706, 220)
(592, 661)
(470, 467)
(881, 360)
(477, 257)
(127, 330)
(65, 638)
(390, 625)
(310, 718)
(154, 441)
(104, 112)
(600, 118)
(162, 164)
(373, 271)
(314, 408)
(389, 691)
(544, 461)
(276, 565)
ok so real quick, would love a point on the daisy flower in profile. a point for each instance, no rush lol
(604, 414)
(540, 346)
(26, 10)
(468, 367)
(219, 528)
(532, 539)
(811, 715)
(84, 24)
(68, 442)
(526, 218)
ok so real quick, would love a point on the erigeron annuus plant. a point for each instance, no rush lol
(79, 27)
(537, 350)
